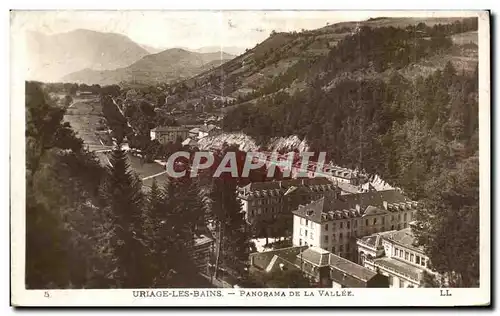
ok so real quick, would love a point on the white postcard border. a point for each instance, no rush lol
(360, 297)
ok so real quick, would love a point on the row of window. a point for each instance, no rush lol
(265, 201)
(265, 210)
(410, 257)
(374, 221)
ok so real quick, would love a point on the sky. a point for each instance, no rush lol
(190, 29)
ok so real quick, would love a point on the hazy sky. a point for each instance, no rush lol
(192, 29)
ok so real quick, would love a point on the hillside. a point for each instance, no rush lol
(400, 102)
(290, 60)
(166, 66)
(51, 57)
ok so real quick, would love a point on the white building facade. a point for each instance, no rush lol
(334, 223)
(395, 255)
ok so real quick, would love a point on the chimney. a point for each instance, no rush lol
(385, 205)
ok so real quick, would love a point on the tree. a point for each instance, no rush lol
(44, 128)
(48, 253)
(287, 278)
(123, 191)
(449, 226)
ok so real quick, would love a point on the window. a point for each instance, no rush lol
(311, 235)
(333, 226)
(341, 248)
(395, 251)
(306, 233)
(411, 257)
(340, 237)
(333, 237)
(307, 222)
(392, 227)
(422, 262)
(401, 283)
(333, 249)
(374, 221)
(326, 227)
(341, 225)
(355, 233)
(326, 238)
(400, 253)
(348, 225)
(417, 259)
(300, 242)
(367, 223)
(404, 217)
(355, 223)
(406, 255)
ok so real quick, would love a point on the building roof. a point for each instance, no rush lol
(332, 207)
(317, 256)
(404, 237)
(262, 259)
(398, 266)
(278, 188)
(207, 128)
(310, 260)
(169, 129)
(375, 240)
(350, 268)
(194, 130)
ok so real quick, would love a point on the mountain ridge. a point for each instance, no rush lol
(168, 65)
(50, 57)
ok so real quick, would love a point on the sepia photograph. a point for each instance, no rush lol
(212, 157)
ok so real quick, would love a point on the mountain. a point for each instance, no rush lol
(151, 49)
(51, 57)
(169, 65)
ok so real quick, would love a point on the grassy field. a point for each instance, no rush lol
(84, 116)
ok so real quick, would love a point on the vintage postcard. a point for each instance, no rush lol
(250, 158)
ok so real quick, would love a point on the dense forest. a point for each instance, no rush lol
(420, 135)
(93, 227)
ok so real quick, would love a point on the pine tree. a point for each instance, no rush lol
(125, 202)
(155, 219)
(233, 232)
